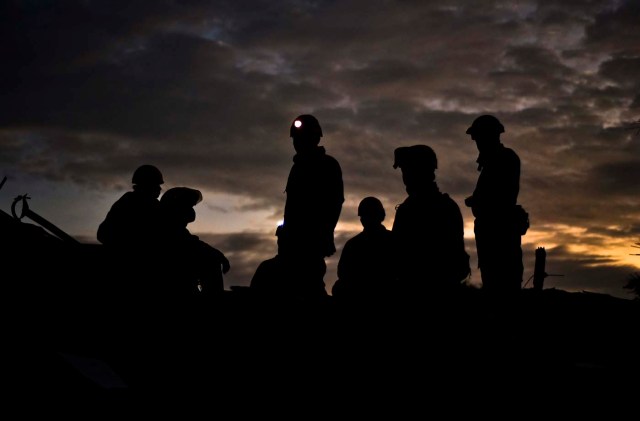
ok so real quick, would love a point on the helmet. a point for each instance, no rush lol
(147, 174)
(486, 124)
(181, 197)
(371, 207)
(305, 125)
(416, 155)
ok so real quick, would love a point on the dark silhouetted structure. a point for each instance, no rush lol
(428, 228)
(498, 221)
(193, 265)
(366, 266)
(132, 222)
(315, 194)
(539, 271)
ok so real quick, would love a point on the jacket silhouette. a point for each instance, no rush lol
(428, 227)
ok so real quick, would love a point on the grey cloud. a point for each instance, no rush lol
(619, 178)
(623, 71)
(616, 29)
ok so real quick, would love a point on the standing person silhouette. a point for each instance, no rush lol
(315, 194)
(493, 203)
(366, 266)
(428, 230)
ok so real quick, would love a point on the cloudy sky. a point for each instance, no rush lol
(206, 91)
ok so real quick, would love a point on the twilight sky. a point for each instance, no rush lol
(206, 91)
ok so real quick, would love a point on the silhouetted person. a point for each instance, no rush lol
(366, 266)
(129, 234)
(275, 278)
(498, 239)
(315, 194)
(132, 221)
(191, 264)
(428, 229)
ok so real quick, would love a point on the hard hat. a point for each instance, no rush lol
(305, 125)
(486, 124)
(371, 207)
(181, 197)
(147, 174)
(416, 155)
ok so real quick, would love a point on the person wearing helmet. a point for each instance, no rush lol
(193, 265)
(315, 194)
(366, 267)
(428, 229)
(132, 220)
(147, 175)
(493, 203)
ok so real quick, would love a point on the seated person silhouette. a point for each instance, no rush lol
(192, 264)
(129, 234)
(277, 278)
(132, 222)
(366, 265)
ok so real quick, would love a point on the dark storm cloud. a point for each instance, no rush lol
(616, 29)
(530, 71)
(618, 178)
(623, 71)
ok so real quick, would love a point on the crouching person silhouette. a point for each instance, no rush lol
(194, 266)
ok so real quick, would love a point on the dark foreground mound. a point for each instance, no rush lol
(78, 330)
(79, 342)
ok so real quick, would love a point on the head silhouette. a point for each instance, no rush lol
(147, 179)
(306, 133)
(178, 203)
(485, 130)
(371, 212)
(418, 164)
